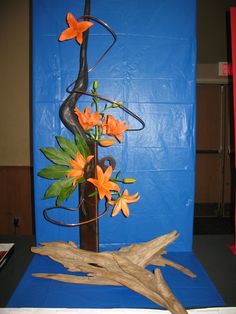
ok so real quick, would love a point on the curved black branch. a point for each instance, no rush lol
(66, 112)
(107, 161)
(111, 32)
(76, 224)
(121, 106)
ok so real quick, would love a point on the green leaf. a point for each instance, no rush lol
(68, 146)
(82, 146)
(64, 194)
(117, 175)
(57, 156)
(56, 188)
(82, 180)
(93, 194)
(54, 172)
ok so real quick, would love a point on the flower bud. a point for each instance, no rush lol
(95, 85)
(117, 104)
(106, 143)
(129, 180)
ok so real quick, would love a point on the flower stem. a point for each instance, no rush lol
(116, 180)
(95, 100)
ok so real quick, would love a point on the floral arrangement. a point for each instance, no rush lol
(72, 160)
(74, 163)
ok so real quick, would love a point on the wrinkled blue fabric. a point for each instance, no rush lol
(152, 70)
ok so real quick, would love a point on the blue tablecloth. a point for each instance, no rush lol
(37, 292)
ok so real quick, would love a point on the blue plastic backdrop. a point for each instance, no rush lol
(152, 70)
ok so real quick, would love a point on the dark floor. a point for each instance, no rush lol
(211, 250)
(16, 265)
(219, 262)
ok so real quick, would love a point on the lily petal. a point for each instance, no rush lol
(112, 186)
(86, 119)
(84, 26)
(75, 29)
(102, 183)
(125, 208)
(119, 137)
(100, 174)
(89, 158)
(108, 173)
(121, 203)
(67, 34)
(79, 38)
(71, 20)
(93, 181)
(116, 209)
(78, 165)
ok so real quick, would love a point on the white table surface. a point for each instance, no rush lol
(219, 310)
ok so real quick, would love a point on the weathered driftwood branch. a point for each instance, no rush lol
(123, 267)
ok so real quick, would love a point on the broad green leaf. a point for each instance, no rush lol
(54, 172)
(68, 146)
(57, 156)
(55, 188)
(82, 146)
(64, 194)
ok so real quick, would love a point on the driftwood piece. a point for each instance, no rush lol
(123, 267)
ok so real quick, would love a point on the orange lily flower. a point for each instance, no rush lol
(120, 204)
(78, 166)
(75, 29)
(113, 127)
(86, 119)
(103, 184)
